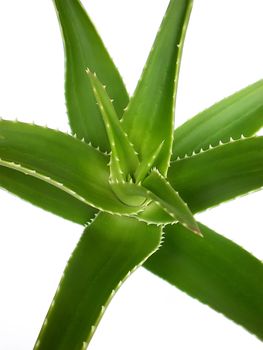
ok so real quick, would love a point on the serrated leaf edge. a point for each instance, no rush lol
(114, 291)
(212, 147)
(180, 46)
(34, 173)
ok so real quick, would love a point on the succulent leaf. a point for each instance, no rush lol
(168, 206)
(159, 189)
(61, 160)
(124, 160)
(46, 196)
(148, 119)
(154, 213)
(84, 48)
(124, 197)
(215, 271)
(130, 193)
(239, 115)
(109, 250)
(234, 169)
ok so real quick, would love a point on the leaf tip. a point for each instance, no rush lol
(197, 231)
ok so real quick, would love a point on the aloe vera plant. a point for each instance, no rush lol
(135, 183)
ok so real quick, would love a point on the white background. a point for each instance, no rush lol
(223, 53)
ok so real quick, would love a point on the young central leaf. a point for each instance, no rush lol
(147, 164)
(124, 159)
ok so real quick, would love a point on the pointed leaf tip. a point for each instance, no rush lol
(160, 190)
(124, 158)
(150, 114)
(84, 48)
(147, 163)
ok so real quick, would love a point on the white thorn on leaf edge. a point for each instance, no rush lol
(210, 147)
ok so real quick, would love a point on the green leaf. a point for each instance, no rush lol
(62, 161)
(130, 193)
(160, 203)
(237, 115)
(147, 164)
(124, 160)
(109, 250)
(215, 271)
(162, 192)
(219, 174)
(45, 196)
(154, 213)
(149, 117)
(84, 48)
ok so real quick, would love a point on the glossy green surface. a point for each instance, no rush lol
(124, 160)
(147, 164)
(215, 271)
(73, 179)
(45, 196)
(237, 115)
(60, 160)
(162, 192)
(149, 117)
(220, 174)
(85, 49)
(109, 250)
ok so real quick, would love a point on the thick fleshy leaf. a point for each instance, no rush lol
(239, 114)
(130, 193)
(219, 174)
(215, 271)
(235, 169)
(149, 117)
(45, 196)
(160, 203)
(154, 213)
(84, 48)
(159, 189)
(124, 160)
(109, 250)
(61, 160)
